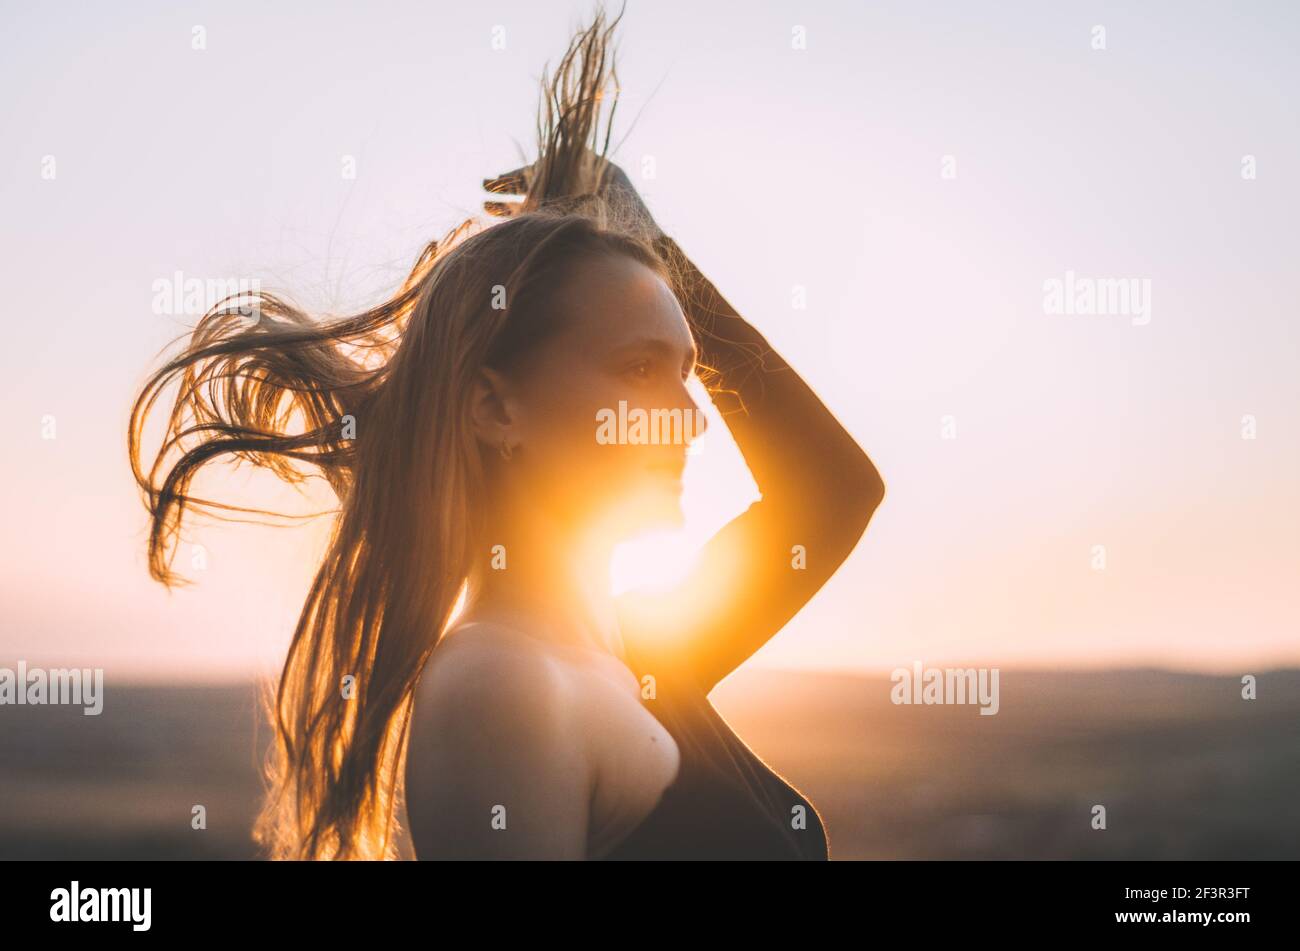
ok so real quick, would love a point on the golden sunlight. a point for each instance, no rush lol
(653, 560)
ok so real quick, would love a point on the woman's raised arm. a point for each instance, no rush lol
(819, 491)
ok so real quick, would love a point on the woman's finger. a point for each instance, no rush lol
(504, 185)
(501, 209)
(514, 182)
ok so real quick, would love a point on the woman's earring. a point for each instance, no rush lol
(506, 451)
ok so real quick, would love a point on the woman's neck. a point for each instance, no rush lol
(549, 584)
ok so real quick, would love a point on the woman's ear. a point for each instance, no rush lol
(492, 410)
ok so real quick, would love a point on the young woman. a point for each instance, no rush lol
(460, 642)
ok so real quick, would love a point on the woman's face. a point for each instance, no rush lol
(602, 417)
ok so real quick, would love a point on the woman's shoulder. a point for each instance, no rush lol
(494, 727)
(491, 682)
(493, 674)
(488, 706)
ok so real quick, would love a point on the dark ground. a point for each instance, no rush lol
(1185, 768)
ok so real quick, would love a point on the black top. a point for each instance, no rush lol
(726, 803)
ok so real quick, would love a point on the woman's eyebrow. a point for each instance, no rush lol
(658, 345)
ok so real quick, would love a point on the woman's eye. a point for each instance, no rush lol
(640, 370)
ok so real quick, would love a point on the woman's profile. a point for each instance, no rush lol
(460, 655)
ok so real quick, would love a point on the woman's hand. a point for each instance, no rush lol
(596, 176)
(514, 184)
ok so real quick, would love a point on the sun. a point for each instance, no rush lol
(653, 560)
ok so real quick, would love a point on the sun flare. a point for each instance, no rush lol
(654, 560)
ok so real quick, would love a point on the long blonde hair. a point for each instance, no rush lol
(377, 403)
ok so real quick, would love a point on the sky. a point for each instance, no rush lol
(886, 190)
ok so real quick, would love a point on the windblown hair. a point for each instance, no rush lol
(378, 404)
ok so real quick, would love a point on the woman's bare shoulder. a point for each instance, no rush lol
(494, 730)
(490, 674)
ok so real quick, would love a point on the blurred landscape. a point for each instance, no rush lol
(1185, 768)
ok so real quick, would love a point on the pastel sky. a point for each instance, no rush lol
(918, 170)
